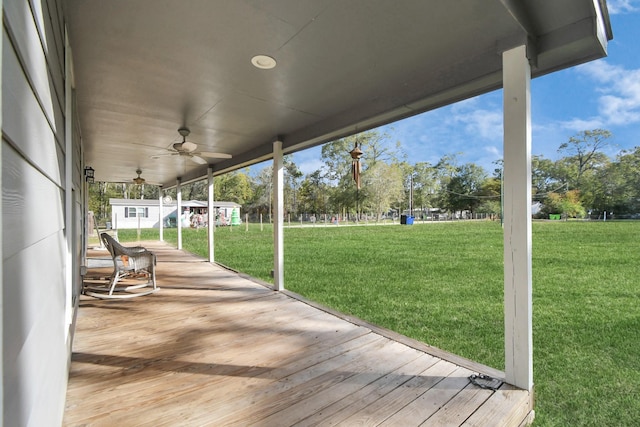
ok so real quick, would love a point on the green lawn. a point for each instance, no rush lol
(442, 284)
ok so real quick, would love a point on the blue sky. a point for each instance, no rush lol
(600, 94)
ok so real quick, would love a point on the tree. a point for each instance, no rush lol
(424, 182)
(583, 152)
(379, 148)
(384, 186)
(336, 158)
(99, 195)
(617, 186)
(313, 194)
(233, 187)
(544, 176)
(262, 192)
(463, 188)
(567, 204)
(337, 166)
(292, 177)
(198, 190)
(489, 197)
(443, 172)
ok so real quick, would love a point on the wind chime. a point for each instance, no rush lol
(356, 153)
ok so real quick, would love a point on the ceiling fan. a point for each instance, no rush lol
(188, 149)
(138, 180)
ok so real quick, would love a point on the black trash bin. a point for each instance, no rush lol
(403, 219)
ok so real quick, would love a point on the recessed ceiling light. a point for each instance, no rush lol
(263, 62)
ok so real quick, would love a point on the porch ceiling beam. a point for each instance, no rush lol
(517, 10)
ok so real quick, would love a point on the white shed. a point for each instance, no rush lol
(145, 213)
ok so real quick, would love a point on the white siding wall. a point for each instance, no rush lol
(119, 221)
(35, 345)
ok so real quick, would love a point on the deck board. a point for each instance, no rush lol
(215, 348)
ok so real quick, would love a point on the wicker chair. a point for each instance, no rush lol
(128, 262)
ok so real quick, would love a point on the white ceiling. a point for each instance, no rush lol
(144, 68)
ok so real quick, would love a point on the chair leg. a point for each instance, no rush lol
(109, 289)
(116, 277)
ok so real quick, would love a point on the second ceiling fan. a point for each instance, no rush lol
(188, 149)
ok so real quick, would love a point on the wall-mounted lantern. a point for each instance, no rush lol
(88, 174)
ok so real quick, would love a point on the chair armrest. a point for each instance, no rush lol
(142, 260)
(132, 250)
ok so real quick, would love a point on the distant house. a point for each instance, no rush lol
(535, 208)
(145, 213)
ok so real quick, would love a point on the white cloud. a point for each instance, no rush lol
(577, 125)
(494, 151)
(619, 102)
(617, 90)
(486, 124)
(622, 6)
(465, 105)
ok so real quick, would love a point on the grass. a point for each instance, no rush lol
(442, 284)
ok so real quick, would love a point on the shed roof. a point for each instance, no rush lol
(156, 202)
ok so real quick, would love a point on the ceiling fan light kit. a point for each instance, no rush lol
(185, 145)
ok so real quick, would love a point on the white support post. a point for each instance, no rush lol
(161, 215)
(211, 218)
(278, 222)
(68, 190)
(517, 218)
(179, 211)
(2, 390)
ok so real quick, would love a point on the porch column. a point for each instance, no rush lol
(211, 218)
(68, 190)
(517, 218)
(160, 215)
(179, 211)
(278, 222)
(2, 392)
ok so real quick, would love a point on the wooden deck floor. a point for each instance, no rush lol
(212, 348)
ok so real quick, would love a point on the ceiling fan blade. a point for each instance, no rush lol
(215, 155)
(198, 160)
(170, 153)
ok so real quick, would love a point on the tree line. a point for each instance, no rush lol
(583, 181)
